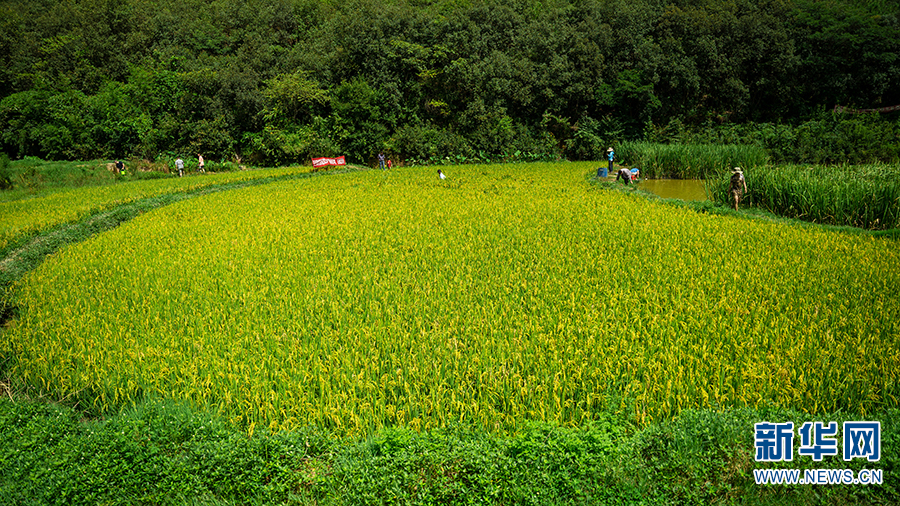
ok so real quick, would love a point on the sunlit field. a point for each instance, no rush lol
(502, 294)
(30, 215)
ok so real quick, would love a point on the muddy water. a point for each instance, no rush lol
(684, 189)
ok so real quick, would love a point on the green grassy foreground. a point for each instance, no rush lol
(166, 453)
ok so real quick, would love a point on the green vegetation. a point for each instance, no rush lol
(6, 181)
(33, 177)
(509, 335)
(275, 82)
(866, 196)
(687, 161)
(167, 453)
(826, 138)
(33, 228)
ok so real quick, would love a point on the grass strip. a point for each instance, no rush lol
(162, 452)
(864, 196)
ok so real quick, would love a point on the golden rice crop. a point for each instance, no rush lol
(503, 293)
(31, 215)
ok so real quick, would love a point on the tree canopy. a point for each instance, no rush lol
(279, 81)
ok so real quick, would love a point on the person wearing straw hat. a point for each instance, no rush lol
(738, 186)
(611, 155)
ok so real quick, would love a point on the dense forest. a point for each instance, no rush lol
(279, 81)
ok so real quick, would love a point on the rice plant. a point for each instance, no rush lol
(501, 294)
(30, 215)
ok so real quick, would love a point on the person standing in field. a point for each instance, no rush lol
(381, 160)
(441, 174)
(200, 163)
(179, 164)
(611, 155)
(738, 186)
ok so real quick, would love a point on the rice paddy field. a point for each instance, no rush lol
(504, 293)
(26, 216)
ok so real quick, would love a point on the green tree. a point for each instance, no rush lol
(359, 123)
(850, 53)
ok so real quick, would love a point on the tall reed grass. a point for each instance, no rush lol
(687, 161)
(865, 196)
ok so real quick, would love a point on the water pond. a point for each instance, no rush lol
(684, 189)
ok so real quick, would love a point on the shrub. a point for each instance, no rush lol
(6, 182)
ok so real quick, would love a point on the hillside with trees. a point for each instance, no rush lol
(279, 81)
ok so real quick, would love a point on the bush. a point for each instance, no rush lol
(836, 138)
(6, 182)
(827, 138)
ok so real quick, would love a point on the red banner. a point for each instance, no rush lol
(321, 162)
